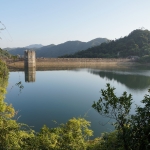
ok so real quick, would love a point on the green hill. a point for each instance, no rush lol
(4, 54)
(20, 50)
(67, 48)
(137, 43)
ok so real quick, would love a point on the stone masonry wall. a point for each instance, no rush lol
(29, 59)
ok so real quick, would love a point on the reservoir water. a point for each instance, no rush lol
(59, 95)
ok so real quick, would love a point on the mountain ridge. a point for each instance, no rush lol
(137, 43)
(34, 46)
(66, 48)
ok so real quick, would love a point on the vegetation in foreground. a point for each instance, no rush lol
(4, 54)
(132, 131)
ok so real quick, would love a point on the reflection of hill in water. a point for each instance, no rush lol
(132, 81)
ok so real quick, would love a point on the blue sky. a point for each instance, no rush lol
(57, 21)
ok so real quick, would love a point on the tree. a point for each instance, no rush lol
(70, 136)
(13, 135)
(114, 107)
(133, 130)
(139, 130)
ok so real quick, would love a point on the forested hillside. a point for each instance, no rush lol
(18, 51)
(67, 48)
(4, 53)
(137, 43)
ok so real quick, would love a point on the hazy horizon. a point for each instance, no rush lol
(55, 22)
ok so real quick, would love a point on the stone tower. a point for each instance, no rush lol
(29, 59)
(29, 65)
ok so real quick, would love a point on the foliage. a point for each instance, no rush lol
(137, 43)
(70, 136)
(144, 59)
(114, 107)
(4, 54)
(14, 57)
(107, 141)
(140, 126)
(13, 135)
(132, 130)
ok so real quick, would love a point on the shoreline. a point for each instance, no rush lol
(72, 63)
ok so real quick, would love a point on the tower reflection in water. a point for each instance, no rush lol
(29, 65)
(30, 74)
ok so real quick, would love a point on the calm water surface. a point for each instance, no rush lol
(63, 94)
